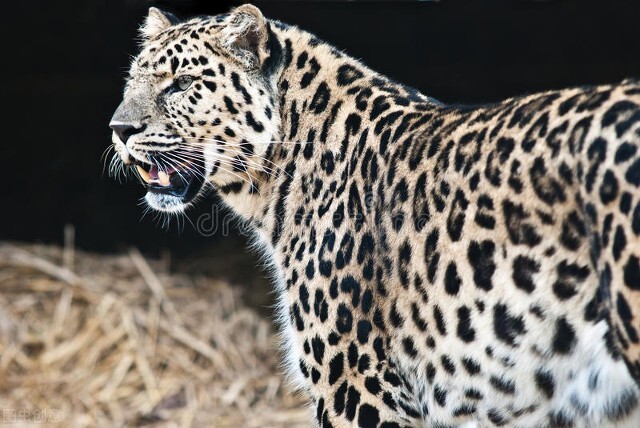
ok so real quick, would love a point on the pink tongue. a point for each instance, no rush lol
(153, 172)
(161, 177)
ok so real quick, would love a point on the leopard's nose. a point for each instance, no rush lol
(125, 130)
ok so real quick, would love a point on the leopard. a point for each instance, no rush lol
(434, 264)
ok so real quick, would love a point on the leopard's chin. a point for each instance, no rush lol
(165, 203)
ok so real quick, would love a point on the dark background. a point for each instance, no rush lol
(64, 62)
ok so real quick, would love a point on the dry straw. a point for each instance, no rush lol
(108, 341)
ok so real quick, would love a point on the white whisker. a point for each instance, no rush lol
(247, 143)
(184, 158)
(247, 161)
(227, 144)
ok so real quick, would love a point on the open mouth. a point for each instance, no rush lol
(182, 181)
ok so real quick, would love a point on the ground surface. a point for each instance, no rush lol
(95, 340)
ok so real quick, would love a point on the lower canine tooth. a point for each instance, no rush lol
(163, 178)
(143, 174)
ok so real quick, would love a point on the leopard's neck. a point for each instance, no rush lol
(329, 105)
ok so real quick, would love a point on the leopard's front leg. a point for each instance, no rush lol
(341, 343)
(354, 391)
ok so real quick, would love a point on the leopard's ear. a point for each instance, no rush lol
(157, 21)
(246, 35)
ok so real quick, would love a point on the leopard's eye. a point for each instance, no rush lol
(183, 82)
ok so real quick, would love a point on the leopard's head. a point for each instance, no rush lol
(199, 104)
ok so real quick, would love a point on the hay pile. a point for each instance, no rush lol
(93, 340)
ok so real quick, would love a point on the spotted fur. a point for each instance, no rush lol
(434, 265)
